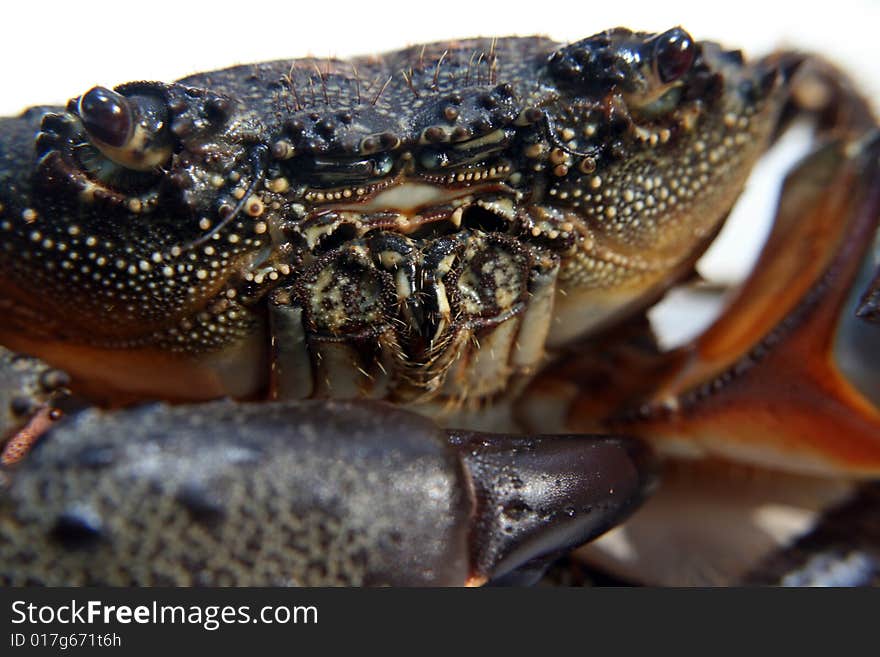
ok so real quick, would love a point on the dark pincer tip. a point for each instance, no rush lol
(537, 497)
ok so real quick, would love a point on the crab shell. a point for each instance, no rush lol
(379, 225)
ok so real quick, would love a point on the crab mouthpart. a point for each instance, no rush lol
(417, 210)
(415, 204)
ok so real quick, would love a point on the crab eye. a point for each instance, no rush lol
(106, 116)
(673, 54)
(131, 131)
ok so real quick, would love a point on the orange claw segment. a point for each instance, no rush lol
(760, 385)
(803, 240)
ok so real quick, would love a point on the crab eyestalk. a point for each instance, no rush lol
(133, 132)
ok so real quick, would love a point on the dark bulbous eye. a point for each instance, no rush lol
(673, 54)
(131, 130)
(107, 116)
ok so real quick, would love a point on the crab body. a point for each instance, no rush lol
(379, 217)
(453, 228)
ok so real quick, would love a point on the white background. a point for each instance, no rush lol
(51, 51)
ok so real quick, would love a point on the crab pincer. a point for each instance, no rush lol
(305, 493)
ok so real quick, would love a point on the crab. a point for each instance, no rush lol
(391, 314)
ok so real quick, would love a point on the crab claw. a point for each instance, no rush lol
(536, 497)
(308, 493)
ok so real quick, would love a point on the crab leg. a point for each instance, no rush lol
(774, 408)
(763, 384)
(308, 493)
(842, 550)
(29, 392)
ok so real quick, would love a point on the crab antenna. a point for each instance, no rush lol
(258, 166)
(551, 133)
